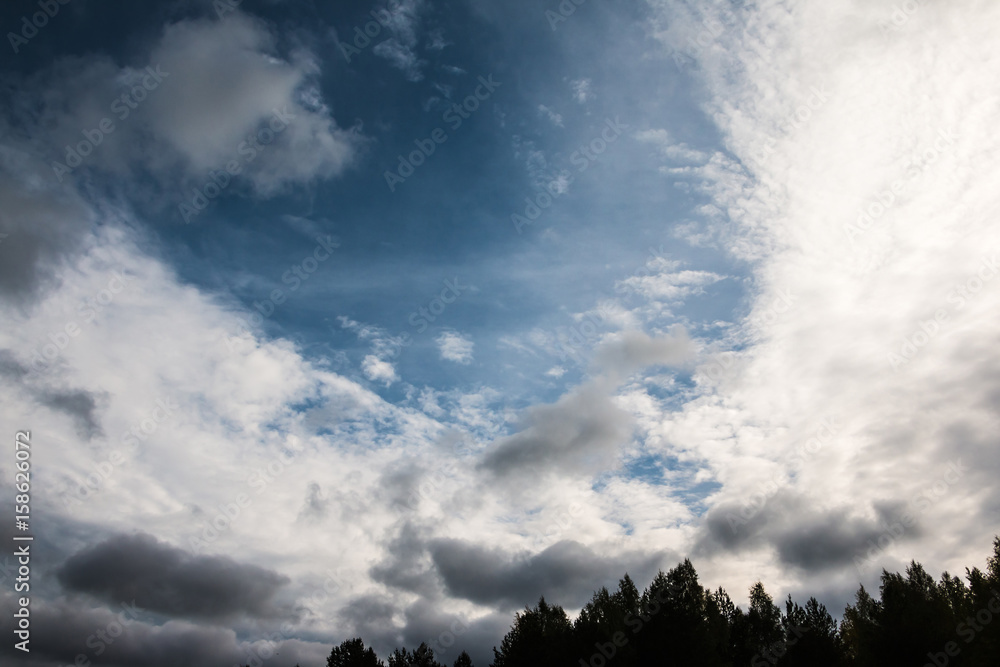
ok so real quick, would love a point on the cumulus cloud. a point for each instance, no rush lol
(62, 630)
(567, 572)
(378, 370)
(171, 581)
(580, 433)
(455, 347)
(632, 350)
(227, 83)
(801, 533)
(202, 90)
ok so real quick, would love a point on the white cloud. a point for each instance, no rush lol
(663, 282)
(209, 85)
(673, 150)
(554, 117)
(399, 49)
(402, 57)
(378, 370)
(581, 90)
(455, 347)
(809, 156)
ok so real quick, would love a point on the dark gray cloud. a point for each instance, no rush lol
(64, 629)
(80, 405)
(168, 580)
(406, 565)
(371, 618)
(38, 227)
(827, 540)
(581, 432)
(449, 634)
(376, 620)
(567, 573)
(813, 539)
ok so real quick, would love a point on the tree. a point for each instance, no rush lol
(763, 634)
(604, 617)
(540, 637)
(463, 660)
(719, 614)
(352, 653)
(678, 610)
(860, 628)
(423, 656)
(811, 637)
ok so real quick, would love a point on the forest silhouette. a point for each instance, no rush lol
(915, 621)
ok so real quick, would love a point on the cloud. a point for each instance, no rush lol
(403, 21)
(455, 347)
(371, 617)
(670, 149)
(401, 57)
(566, 573)
(837, 296)
(378, 370)
(802, 534)
(580, 433)
(226, 82)
(405, 565)
(40, 224)
(384, 344)
(208, 85)
(168, 580)
(668, 285)
(64, 630)
(581, 90)
(555, 118)
(80, 405)
(631, 350)
(316, 505)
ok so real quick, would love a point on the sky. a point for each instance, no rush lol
(384, 319)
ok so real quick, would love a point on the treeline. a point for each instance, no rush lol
(916, 621)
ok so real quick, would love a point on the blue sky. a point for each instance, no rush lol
(678, 279)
